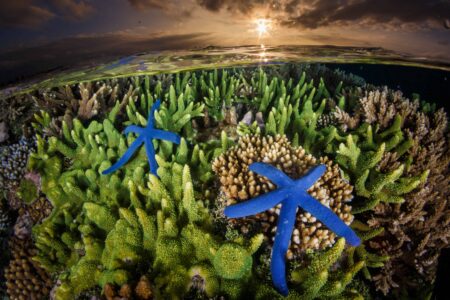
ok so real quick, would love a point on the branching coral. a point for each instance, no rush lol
(83, 101)
(101, 226)
(239, 184)
(422, 226)
(15, 112)
(317, 281)
(371, 184)
(102, 234)
(415, 142)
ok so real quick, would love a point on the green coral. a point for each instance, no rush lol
(27, 191)
(106, 229)
(373, 185)
(103, 227)
(318, 281)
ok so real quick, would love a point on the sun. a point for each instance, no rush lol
(262, 26)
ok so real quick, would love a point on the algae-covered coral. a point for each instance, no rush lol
(134, 234)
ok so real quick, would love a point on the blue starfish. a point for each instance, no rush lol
(291, 194)
(145, 136)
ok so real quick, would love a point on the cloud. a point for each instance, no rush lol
(33, 13)
(322, 13)
(23, 13)
(405, 12)
(72, 9)
(178, 9)
(244, 7)
(150, 4)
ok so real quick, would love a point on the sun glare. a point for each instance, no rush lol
(262, 26)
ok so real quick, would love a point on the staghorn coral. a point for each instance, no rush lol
(359, 161)
(377, 106)
(418, 144)
(422, 228)
(317, 280)
(101, 234)
(346, 121)
(25, 279)
(239, 184)
(276, 101)
(83, 101)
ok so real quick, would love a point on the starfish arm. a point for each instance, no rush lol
(275, 175)
(165, 135)
(151, 156)
(126, 156)
(311, 177)
(328, 217)
(151, 115)
(285, 226)
(135, 129)
(256, 205)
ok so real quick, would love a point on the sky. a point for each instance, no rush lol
(54, 32)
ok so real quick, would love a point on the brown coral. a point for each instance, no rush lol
(417, 230)
(38, 210)
(378, 106)
(142, 290)
(25, 279)
(240, 184)
(83, 101)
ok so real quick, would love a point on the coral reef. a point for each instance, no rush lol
(415, 142)
(315, 279)
(102, 233)
(83, 101)
(15, 113)
(38, 210)
(25, 279)
(5, 218)
(4, 135)
(142, 290)
(13, 162)
(421, 229)
(239, 184)
(97, 238)
(5, 224)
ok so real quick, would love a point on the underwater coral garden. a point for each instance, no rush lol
(70, 231)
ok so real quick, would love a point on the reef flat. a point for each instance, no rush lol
(70, 232)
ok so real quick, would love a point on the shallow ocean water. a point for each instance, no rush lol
(91, 234)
